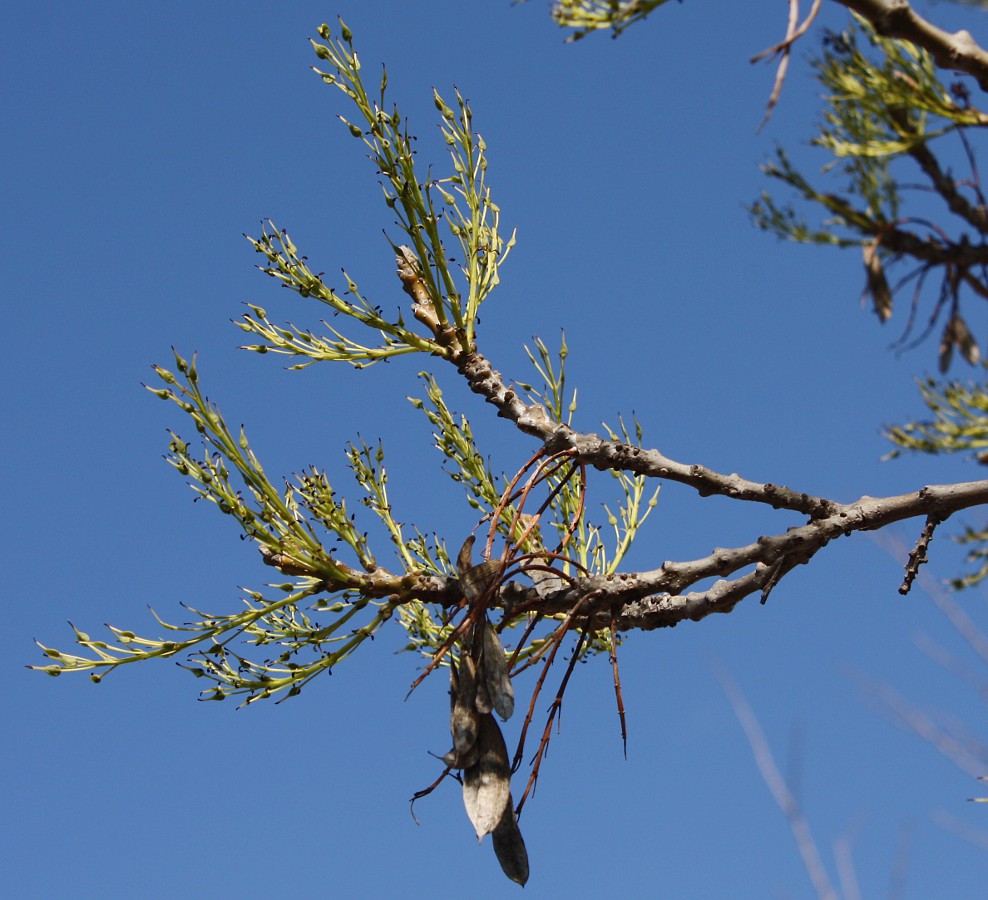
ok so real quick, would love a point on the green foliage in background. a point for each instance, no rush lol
(339, 594)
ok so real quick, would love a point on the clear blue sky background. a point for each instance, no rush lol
(140, 141)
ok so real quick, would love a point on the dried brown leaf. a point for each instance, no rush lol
(945, 352)
(877, 285)
(965, 341)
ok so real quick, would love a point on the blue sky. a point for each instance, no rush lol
(141, 141)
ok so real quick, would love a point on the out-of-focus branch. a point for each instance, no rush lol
(964, 753)
(778, 788)
(946, 187)
(963, 830)
(794, 31)
(897, 19)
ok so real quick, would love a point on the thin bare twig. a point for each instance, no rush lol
(794, 32)
(618, 695)
(918, 555)
(554, 710)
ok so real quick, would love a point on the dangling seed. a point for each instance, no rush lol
(454, 684)
(482, 699)
(494, 666)
(464, 559)
(475, 580)
(487, 785)
(463, 723)
(473, 646)
(510, 846)
(462, 760)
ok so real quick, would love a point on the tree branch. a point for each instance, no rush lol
(655, 599)
(533, 419)
(946, 187)
(897, 19)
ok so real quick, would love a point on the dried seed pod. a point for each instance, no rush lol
(454, 684)
(510, 847)
(462, 760)
(464, 559)
(487, 785)
(494, 668)
(543, 581)
(473, 645)
(475, 580)
(482, 699)
(463, 719)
